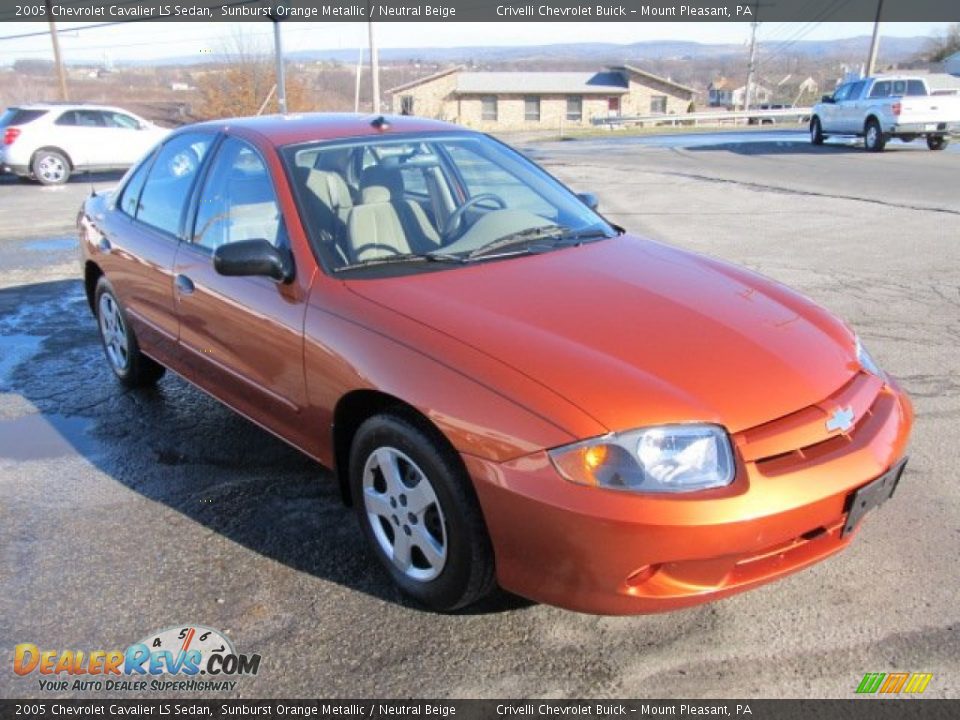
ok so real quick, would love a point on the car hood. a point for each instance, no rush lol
(636, 333)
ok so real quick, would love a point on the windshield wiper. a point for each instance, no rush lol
(401, 260)
(557, 234)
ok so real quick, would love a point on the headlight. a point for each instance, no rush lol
(866, 361)
(665, 459)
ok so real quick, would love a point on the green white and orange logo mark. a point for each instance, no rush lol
(893, 683)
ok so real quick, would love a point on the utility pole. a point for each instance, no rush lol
(57, 59)
(278, 60)
(356, 87)
(748, 91)
(374, 69)
(875, 41)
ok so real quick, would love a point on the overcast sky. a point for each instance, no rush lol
(154, 40)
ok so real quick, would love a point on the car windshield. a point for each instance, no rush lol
(442, 199)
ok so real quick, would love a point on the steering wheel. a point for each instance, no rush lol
(456, 217)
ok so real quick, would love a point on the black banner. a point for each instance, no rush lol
(480, 10)
(853, 709)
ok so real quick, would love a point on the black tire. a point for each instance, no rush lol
(453, 521)
(132, 368)
(937, 142)
(50, 167)
(816, 132)
(873, 138)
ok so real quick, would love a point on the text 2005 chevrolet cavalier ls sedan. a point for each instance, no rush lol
(511, 390)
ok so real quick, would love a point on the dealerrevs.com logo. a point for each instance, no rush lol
(189, 658)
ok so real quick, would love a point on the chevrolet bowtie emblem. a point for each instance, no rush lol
(842, 419)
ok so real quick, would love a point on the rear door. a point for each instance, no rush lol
(242, 336)
(79, 134)
(142, 235)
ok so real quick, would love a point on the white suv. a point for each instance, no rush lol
(48, 142)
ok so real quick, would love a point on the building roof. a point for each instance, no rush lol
(611, 81)
(651, 76)
(546, 83)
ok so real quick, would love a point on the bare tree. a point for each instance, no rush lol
(944, 45)
(244, 80)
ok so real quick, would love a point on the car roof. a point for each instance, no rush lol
(305, 127)
(67, 106)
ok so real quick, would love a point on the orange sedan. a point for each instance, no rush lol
(510, 389)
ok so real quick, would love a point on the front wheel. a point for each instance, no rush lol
(873, 137)
(417, 509)
(937, 142)
(816, 132)
(132, 367)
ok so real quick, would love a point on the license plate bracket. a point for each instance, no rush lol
(872, 495)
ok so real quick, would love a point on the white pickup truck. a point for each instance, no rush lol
(880, 108)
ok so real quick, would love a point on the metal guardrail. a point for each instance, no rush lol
(716, 116)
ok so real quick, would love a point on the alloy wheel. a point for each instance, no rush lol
(404, 513)
(114, 333)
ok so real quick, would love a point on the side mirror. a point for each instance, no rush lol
(253, 257)
(589, 199)
(827, 99)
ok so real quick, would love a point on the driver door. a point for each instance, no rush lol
(242, 337)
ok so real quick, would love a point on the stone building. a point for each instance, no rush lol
(530, 100)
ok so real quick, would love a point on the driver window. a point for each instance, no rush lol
(238, 201)
(841, 93)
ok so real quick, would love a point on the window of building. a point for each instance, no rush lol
(575, 108)
(531, 108)
(488, 107)
(406, 105)
(658, 104)
(613, 105)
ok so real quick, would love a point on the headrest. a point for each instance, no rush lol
(375, 194)
(387, 177)
(329, 188)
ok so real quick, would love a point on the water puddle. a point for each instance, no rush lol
(52, 245)
(15, 349)
(40, 437)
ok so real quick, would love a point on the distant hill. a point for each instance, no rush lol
(893, 49)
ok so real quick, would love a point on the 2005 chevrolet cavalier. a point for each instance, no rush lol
(510, 389)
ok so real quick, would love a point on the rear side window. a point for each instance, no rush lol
(881, 89)
(171, 177)
(81, 118)
(130, 199)
(19, 116)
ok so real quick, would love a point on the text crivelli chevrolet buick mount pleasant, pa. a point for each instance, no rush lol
(191, 658)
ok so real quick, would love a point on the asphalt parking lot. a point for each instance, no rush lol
(123, 513)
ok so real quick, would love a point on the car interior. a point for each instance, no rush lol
(382, 199)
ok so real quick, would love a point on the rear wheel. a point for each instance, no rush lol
(419, 514)
(816, 132)
(132, 367)
(50, 167)
(937, 142)
(873, 137)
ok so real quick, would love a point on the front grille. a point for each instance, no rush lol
(800, 439)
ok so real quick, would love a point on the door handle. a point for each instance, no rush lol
(184, 284)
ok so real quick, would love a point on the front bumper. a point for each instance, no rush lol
(609, 552)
